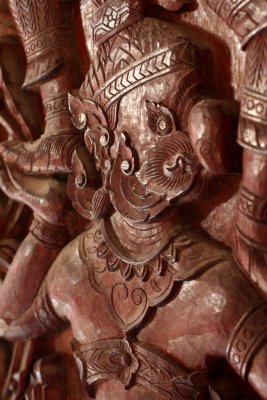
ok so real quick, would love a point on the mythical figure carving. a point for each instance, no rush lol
(154, 302)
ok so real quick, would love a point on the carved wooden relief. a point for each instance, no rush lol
(133, 176)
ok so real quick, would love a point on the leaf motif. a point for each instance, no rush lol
(94, 79)
(28, 16)
(256, 76)
(47, 12)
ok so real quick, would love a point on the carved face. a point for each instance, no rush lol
(138, 115)
(154, 162)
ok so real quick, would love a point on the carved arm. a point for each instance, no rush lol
(40, 319)
(41, 26)
(249, 21)
(48, 234)
(29, 267)
(53, 304)
(44, 34)
(251, 218)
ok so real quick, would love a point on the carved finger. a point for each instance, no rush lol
(7, 187)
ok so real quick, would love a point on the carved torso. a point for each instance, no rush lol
(138, 306)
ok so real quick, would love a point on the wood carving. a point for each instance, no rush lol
(148, 238)
(46, 379)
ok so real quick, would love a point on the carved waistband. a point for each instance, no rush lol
(139, 363)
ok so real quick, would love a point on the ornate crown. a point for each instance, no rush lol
(126, 60)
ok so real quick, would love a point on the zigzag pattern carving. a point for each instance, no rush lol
(155, 65)
(33, 16)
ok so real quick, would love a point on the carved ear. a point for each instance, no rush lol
(86, 113)
(210, 127)
(172, 5)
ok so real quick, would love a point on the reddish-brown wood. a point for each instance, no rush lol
(146, 239)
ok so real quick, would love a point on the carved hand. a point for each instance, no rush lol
(211, 126)
(46, 196)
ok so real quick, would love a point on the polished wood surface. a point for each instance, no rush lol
(133, 182)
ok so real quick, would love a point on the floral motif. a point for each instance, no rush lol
(102, 360)
(125, 361)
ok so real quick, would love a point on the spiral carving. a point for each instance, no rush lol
(171, 165)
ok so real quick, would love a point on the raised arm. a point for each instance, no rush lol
(48, 234)
(249, 20)
(251, 218)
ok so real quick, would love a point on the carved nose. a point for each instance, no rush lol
(175, 164)
(180, 164)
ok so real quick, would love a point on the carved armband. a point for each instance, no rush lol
(40, 26)
(45, 313)
(251, 219)
(247, 338)
(248, 19)
(245, 17)
(253, 121)
(54, 236)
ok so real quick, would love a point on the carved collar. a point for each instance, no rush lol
(132, 288)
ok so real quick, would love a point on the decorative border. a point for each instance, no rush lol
(117, 359)
(159, 63)
(237, 14)
(254, 106)
(56, 104)
(246, 339)
(52, 235)
(114, 16)
(43, 41)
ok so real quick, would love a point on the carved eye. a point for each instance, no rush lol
(160, 119)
